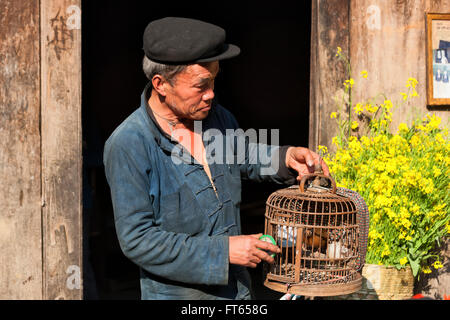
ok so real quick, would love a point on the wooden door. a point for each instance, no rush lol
(40, 150)
(20, 151)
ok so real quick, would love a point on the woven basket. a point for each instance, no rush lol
(383, 283)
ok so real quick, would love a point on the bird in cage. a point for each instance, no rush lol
(315, 238)
(341, 243)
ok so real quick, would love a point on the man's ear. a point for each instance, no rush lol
(159, 84)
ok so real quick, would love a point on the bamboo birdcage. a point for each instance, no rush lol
(318, 235)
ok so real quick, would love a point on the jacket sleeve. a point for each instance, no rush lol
(175, 256)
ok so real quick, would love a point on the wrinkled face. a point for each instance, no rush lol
(191, 93)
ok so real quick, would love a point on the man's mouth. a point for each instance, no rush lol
(206, 108)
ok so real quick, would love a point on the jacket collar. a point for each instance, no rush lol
(162, 138)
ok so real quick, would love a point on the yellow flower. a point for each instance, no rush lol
(333, 115)
(402, 127)
(371, 109)
(412, 82)
(427, 186)
(437, 210)
(426, 270)
(386, 251)
(364, 74)
(439, 138)
(334, 141)
(339, 51)
(436, 171)
(437, 265)
(415, 209)
(354, 125)
(433, 122)
(365, 141)
(322, 149)
(415, 140)
(388, 104)
(349, 83)
(358, 109)
(403, 261)
(404, 95)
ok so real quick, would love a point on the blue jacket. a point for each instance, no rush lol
(168, 218)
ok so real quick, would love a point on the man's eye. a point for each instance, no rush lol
(205, 86)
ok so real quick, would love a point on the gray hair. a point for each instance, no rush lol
(152, 68)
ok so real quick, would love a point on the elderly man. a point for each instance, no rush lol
(176, 211)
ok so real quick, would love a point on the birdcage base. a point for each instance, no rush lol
(316, 290)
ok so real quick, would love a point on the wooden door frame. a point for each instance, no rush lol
(61, 145)
(330, 28)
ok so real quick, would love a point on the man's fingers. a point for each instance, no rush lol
(267, 246)
(325, 169)
(300, 168)
(262, 255)
(302, 161)
(256, 258)
(309, 159)
(249, 251)
(304, 155)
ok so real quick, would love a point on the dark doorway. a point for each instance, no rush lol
(266, 87)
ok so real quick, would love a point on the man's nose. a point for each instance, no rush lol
(208, 95)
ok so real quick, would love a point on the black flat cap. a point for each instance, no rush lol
(182, 41)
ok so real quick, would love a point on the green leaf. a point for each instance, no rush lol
(415, 266)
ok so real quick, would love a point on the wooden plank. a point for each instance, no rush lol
(20, 187)
(330, 29)
(61, 148)
(314, 81)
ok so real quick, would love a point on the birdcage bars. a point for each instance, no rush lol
(317, 233)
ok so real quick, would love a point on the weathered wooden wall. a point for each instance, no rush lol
(386, 38)
(20, 176)
(40, 150)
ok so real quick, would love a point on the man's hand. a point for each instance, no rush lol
(245, 250)
(304, 161)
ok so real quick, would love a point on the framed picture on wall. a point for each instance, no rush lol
(438, 59)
